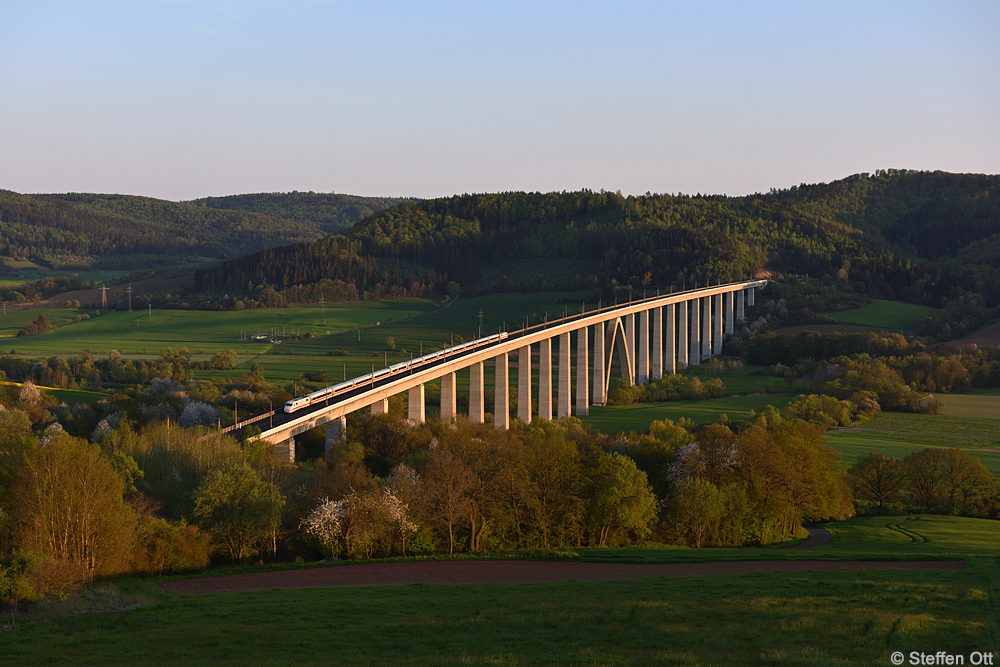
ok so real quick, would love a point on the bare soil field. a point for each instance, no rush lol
(508, 572)
(987, 336)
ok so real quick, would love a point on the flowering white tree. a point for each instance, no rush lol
(368, 522)
(325, 523)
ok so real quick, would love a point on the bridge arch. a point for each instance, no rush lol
(615, 341)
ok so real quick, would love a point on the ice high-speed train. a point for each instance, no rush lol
(410, 364)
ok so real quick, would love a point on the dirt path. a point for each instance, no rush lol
(508, 572)
(817, 538)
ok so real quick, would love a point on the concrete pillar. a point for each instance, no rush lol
(336, 430)
(642, 370)
(682, 335)
(656, 372)
(582, 372)
(380, 407)
(694, 351)
(728, 298)
(717, 325)
(629, 323)
(287, 448)
(449, 398)
(751, 292)
(545, 379)
(670, 331)
(415, 410)
(501, 393)
(600, 398)
(706, 327)
(524, 384)
(740, 306)
(564, 376)
(477, 411)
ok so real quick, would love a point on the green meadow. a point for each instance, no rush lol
(884, 314)
(897, 434)
(638, 417)
(845, 617)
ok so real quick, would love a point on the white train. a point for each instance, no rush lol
(329, 392)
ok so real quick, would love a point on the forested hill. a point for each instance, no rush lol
(122, 231)
(327, 212)
(891, 232)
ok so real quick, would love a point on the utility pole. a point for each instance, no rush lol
(104, 298)
(480, 323)
(322, 305)
(129, 292)
(150, 311)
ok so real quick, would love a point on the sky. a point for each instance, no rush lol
(180, 99)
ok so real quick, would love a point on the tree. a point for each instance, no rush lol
(924, 472)
(621, 500)
(65, 503)
(877, 478)
(447, 483)
(966, 483)
(223, 359)
(696, 507)
(238, 508)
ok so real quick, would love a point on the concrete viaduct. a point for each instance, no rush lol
(650, 337)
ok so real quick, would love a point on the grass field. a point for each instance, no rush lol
(825, 618)
(618, 418)
(984, 404)
(894, 315)
(68, 396)
(897, 434)
(912, 537)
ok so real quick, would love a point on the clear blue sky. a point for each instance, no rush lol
(186, 98)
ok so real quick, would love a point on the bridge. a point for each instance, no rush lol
(650, 337)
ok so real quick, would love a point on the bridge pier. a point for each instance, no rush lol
(415, 407)
(336, 430)
(545, 379)
(477, 410)
(642, 371)
(524, 384)
(449, 398)
(564, 376)
(740, 306)
(286, 449)
(717, 325)
(694, 353)
(750, 295)
(380, 407)
(656, 372)
(629, 322)
(599, 395)
(682, 335)
(670, 351)
(501, 393)
(582, 373)
(728, 300)
(706, 327)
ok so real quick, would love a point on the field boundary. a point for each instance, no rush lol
(475, 572)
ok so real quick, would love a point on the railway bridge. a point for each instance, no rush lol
(648, 337)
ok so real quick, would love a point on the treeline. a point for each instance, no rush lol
(328, 212)
(126, 231)
(885, 364)
(850, 230)
(936, 481)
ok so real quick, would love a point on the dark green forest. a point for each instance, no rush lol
(123, 231)
(326, 212)
(894, 234)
